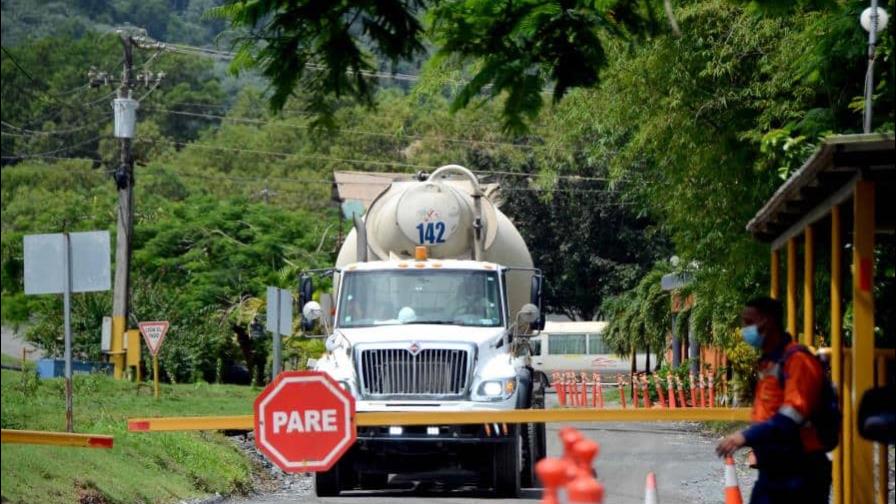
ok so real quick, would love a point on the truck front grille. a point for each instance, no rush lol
(397, 372)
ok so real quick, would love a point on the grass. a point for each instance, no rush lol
(147, 467)
(9, 360)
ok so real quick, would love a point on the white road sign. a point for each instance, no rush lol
(154, 334)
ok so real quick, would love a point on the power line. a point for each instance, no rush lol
(25, 132)
(55, 151)
(39, 84)
(289, 154)
(228, 55)
(328, 182)
(346, 130)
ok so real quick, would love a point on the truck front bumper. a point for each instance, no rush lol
(421, 449)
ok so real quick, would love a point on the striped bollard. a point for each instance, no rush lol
(619, 384)
(657, 382)
(712, 392)
(645, 393)
(702, 390)
(671, 391)
(634, 382)
(559, 385)
(693, 388)
(570, 395)
(584, 390)
(681, 400)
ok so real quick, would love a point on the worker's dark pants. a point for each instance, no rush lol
(809, 482)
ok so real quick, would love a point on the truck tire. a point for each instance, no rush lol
(533, 437)
(373, 481)
(507, 467)
(327, 483)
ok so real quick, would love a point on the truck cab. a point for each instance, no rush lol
(423, 333)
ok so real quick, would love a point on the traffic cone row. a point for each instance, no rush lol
(571, 478)
(573, 390)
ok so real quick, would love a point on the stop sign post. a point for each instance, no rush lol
(304, 421)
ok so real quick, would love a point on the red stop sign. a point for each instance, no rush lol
(304, 421)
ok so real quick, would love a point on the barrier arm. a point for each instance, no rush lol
(56, 438)
(376, 418)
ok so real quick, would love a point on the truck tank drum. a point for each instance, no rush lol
(440, 214)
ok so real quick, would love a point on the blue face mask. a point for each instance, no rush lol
(752, 336)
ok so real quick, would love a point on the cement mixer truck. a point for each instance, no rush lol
(435, 297)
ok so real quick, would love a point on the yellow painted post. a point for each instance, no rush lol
(133, 351)
(808, 338)
(155, 376)
(837, 339)
(116, 353)
(775, 290)
(791, 287)
(883, 462)
(846, 432)
(863, 331)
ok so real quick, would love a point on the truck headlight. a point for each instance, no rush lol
(495, 390)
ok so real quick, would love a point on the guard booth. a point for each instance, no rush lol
(840, 201)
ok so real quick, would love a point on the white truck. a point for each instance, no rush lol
(435, 298)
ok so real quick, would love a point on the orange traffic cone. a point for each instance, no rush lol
(552, 473)
(732, 491)
(650, 496)
(585, 488)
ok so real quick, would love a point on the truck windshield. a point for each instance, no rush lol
(460, 297)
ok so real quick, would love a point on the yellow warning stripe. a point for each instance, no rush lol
(379, 418)
(56, 438)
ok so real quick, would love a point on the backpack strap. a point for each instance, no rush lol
(782, 376)
(786, 410)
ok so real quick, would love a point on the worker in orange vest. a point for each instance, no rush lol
(790, 453)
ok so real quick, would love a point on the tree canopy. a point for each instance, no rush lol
(663, 143)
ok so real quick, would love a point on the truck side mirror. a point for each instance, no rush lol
(311, 311)
(536, 296)
(306, 290)
(528, 314)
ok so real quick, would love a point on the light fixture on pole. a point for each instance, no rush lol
(873, 20)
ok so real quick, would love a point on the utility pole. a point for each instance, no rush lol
(124, 178)
(125, 108)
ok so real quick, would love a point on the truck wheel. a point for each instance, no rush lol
(533, 437)
(533, 450)
(373, 481)
(507, 467)
(326, 483)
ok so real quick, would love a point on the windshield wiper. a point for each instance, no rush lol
(433, 322)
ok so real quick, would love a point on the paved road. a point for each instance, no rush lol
(687, 470)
